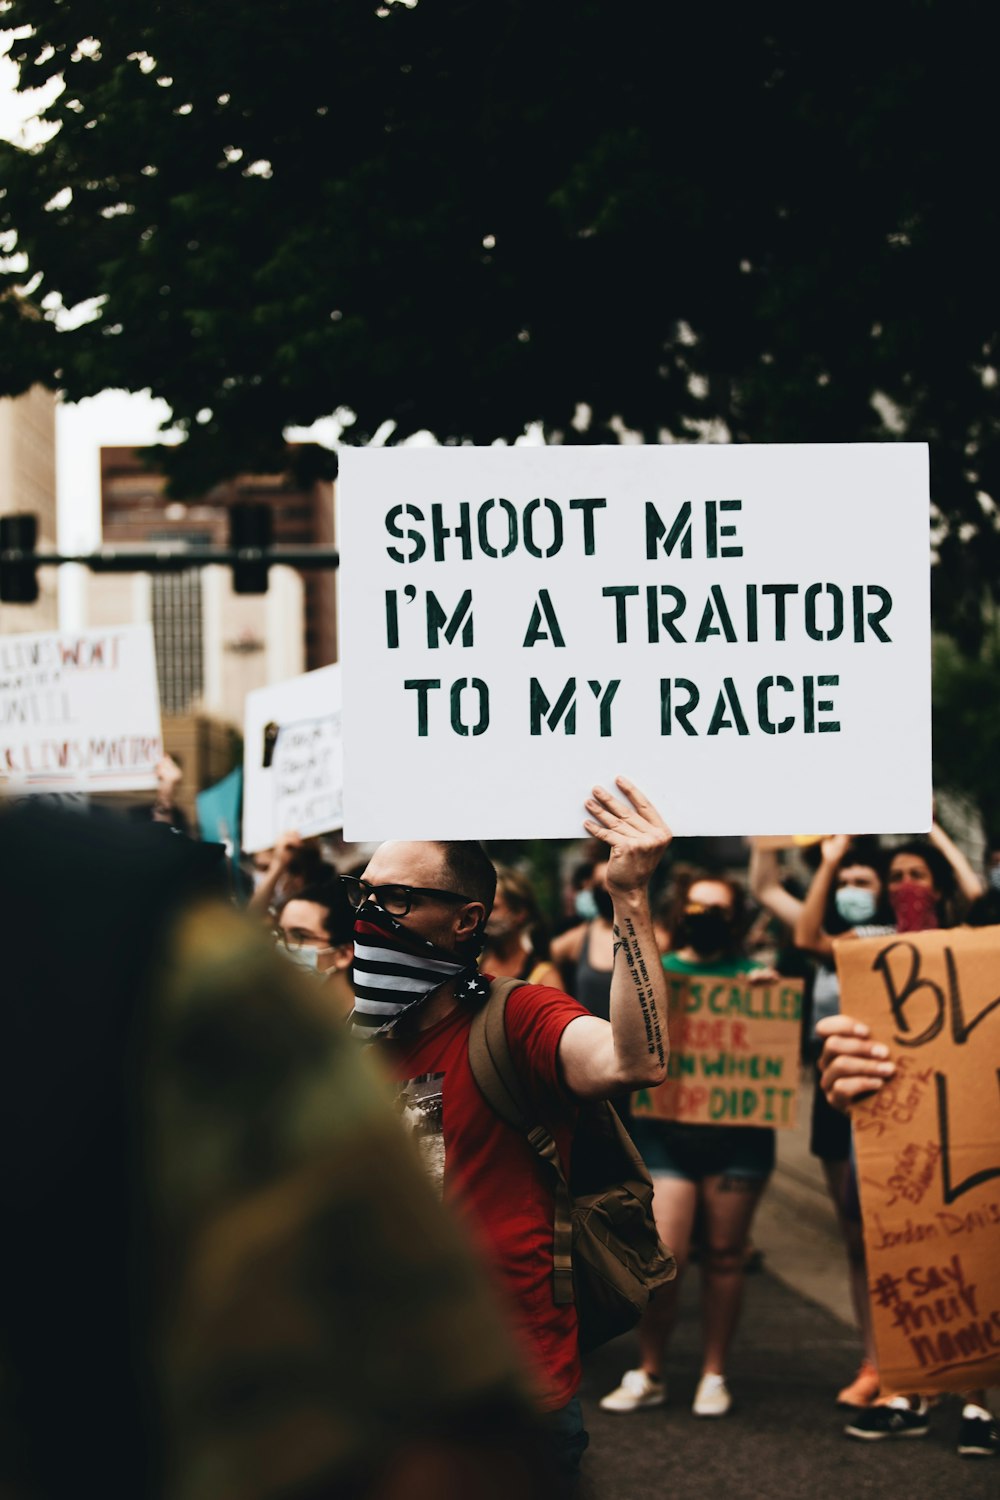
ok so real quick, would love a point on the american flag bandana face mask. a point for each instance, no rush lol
(395, 970)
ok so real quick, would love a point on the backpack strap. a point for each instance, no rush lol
(496, 1077)
(490, 1059)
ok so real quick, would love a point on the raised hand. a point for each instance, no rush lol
(285, 850)
(168, 773)
(633, 830)
(835, 847)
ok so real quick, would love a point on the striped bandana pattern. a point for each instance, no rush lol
(395, 969)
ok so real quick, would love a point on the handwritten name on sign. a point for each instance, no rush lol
(734, 1053)
(702, 616)
(928, 1150)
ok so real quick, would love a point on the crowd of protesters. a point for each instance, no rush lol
(390, 942)
(709, 1179)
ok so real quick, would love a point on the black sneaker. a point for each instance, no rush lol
(978, 1437)
(884, 1421)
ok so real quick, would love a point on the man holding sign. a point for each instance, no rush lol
(421, 910)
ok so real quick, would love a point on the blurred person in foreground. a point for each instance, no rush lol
(223, 1276)
(422, 909)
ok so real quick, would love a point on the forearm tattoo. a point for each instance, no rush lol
(627, 944)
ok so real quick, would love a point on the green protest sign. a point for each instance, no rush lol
(734, 1053)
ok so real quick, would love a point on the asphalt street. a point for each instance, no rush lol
(796, 1347)
(783, 1439)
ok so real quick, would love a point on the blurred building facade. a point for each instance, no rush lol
(28, 483)
(213, 646)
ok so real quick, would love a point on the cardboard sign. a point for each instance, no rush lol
(293, 759)
(79, 711)
(744, 631)
(734, 1053)
(928, 1151)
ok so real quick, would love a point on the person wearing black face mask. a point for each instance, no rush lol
(720, 1170)
(709, 930)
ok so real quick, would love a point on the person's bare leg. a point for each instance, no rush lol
(675, 1201)
(729, 1203)
(854, 1244)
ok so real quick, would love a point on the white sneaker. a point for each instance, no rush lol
(712, 1398)
(637, 1390)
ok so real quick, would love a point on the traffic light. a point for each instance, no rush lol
(250, 530)
(18, 574)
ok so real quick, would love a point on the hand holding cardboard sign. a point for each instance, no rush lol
(927, 1143)
(851, 1065)
(636, 835)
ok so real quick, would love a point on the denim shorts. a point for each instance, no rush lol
(697, 1151)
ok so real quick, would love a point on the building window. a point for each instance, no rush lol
(177, 632)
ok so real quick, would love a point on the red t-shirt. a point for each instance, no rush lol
(488, 1171)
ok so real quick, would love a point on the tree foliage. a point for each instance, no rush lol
(770, 221)
(967, 722)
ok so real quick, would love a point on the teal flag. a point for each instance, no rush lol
(220, 809)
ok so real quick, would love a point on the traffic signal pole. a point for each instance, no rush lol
(19, 560)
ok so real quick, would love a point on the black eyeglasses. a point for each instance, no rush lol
(397, 900)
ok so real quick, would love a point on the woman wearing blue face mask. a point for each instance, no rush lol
(847, 896)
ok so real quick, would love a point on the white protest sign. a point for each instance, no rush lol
(292, 759)
(742, 630)
(79, 711)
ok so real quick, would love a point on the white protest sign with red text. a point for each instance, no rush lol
(79, 711)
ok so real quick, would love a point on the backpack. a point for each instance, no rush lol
(606, 1254)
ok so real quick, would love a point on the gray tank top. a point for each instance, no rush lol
(593, 986)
